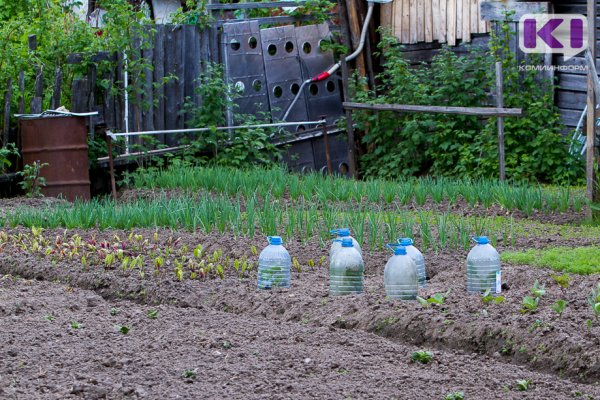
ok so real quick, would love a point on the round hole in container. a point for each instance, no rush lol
(323, 43)
(324, 170)
(235, 44)
(295, 88)
(252, 42)
(343, 168)
(306, 48)
(330, 86)
(313, 89)
(306, 169)
(277, 91)
(289, 47)
(257, 85)
(300, 128)
(272, 49)
(240, 87)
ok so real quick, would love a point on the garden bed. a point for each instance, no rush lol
(541, 342)
(191, 352)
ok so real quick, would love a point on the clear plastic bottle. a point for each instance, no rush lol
(417, 257)
(337, 243)
(483, 267)
(346, 270)
(400, 275)
(274, 265)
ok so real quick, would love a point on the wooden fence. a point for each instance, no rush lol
(444, 21)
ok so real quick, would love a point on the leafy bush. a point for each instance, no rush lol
(242, 148)
(458, 145)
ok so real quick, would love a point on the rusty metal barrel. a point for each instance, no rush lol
(60, 141)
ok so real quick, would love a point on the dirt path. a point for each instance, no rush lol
(234, 356)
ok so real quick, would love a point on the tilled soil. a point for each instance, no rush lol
(542, 341)
(225, 355)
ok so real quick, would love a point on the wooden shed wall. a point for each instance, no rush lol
(444, 21)
(572, 83)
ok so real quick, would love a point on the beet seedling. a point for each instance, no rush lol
(563, 280)
(437, 299)
(455, 396)
(76, 325)
(152, 314)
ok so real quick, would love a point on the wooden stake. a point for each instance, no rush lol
(111, 166)
(500, 104)
(355, 30)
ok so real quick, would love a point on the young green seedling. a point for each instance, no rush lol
(559, 307)
(530, 304)
(122, 328)
(49, 317)
(76, 325)
(421, 356)
(190, 373)
(488, 298)
(152, 314)
(437, 299)
(563, 280)
(537, 290)
(594, 301)
(455, 396)
(114, 311)
(522, 385)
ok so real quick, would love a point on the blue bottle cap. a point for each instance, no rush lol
(400, 251)
(347, 242)
(275, 240)
(405, 241)
(341, 232)
(482, 240)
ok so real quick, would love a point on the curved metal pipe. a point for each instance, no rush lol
(326, 74)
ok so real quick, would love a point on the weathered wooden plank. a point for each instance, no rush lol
(396, 18)
(568, 100)
(58, 78)
(466, 21)
(159, 75)
(7, 102)
(474, 15)
(119, 100)
(170, 86)
(459, 17)
(180, 73)
(428, 21)
(148, 93)
(414, 33)
(420, 22)
(451, 22)
(190, 58)
(496, 10)
(387, 16)
(197, 65)
(79, 90)
(406, 13)
(475, 111)
(443, 38)
(91, 105)
(435, 11)
(22, 92)
(109, 102)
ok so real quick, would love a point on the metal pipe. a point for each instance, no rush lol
(219, 128)
(324, 75)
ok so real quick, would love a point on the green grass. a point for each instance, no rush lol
(579, 260)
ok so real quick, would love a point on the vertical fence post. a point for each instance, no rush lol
(500, 104)
(7, 101)
(326, 141)
(349, 123)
